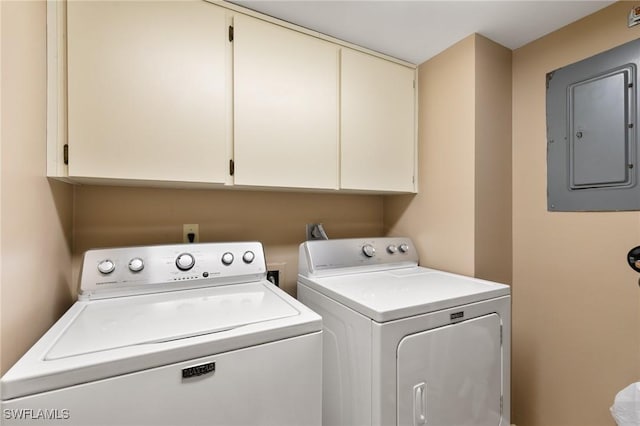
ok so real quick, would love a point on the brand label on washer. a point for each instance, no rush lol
(198, 370)
(457, 315)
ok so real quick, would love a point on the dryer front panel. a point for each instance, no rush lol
(451, 375)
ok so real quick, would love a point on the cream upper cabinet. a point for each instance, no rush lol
(148, 91)
(378, 132)
(164, 93)
(285, 107)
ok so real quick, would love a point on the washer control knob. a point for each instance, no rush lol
(404, 247)
(185, 261)
(248, 256)
(106, 266)
(136, 264)
(392, 249)
(368, 250)
(227, 258)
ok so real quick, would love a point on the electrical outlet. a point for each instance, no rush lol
(191, 233)
(274, 277)
(275, 272)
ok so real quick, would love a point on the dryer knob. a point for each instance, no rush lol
(368, 250)
(106, 266)
(185, 261)
(136, 264)
(404, 248)
(227, 258)
(392, 249)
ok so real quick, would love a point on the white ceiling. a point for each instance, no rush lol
(418, 30)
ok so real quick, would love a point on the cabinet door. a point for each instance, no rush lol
(147, 95)
(285, 107)
(378, 124)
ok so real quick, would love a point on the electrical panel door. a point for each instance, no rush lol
(592, 144)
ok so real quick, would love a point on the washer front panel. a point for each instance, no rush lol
(237, 389)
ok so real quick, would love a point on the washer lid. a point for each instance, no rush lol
(404, 292)
(98, 339)
(116, 323)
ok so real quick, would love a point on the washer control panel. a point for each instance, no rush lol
(324, 256)
(134, 270)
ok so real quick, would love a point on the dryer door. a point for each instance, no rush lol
(452, 375)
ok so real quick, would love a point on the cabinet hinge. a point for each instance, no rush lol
(232, 167)
(65, 153)
(230, 32)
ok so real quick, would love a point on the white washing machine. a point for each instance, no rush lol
(403, 344)
(188, 334)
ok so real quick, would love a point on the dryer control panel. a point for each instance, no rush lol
(330, 257)
(149, 269)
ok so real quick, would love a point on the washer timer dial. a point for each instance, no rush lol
(185, 261)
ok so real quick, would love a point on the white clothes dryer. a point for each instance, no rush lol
(403, 344)
(189, 334)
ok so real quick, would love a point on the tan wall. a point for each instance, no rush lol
(440, 218)
(493, 247)
(36, 214)
(110, 216)
(461, 219)
(576, 303)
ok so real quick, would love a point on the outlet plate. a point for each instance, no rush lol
(275, 273)
(274, 277)
(191, 228)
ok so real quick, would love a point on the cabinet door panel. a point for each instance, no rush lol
(285, 107)
(377, 128)
(147, 93)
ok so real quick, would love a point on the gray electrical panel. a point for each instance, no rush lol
(592, 144)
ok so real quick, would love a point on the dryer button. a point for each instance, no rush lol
(368, 250)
